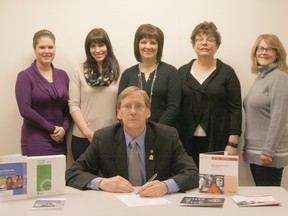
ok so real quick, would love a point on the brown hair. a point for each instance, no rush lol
(42, 33)
(148, 31)
(99, 35)
(274, 42)
(208, 28)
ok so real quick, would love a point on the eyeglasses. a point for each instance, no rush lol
(268, 50)
(208, 40)
(136, 107)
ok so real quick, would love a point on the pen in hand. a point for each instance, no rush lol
(151, 179)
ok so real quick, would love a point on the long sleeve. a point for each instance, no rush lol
(23, 90)
(170, 114)
(278, 113)
(74, 92)
(234, 104)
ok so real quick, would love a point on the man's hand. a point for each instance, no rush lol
(153, 189)
(116, 184)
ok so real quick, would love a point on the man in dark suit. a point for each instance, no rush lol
(159, 150)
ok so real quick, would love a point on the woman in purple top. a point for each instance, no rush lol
(42, 97)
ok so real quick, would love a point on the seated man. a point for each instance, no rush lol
(159, 152)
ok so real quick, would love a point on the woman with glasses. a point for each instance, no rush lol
(266, 105)
(159, 79)
(210, 111)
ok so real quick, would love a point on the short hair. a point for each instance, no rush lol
(99, 35)
(133, 89)
(274, 42)
(148, 31)
(42, 33)
(208, 28)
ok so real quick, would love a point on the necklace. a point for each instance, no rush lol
(153, 81)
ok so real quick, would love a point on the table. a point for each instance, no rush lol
(101, 203)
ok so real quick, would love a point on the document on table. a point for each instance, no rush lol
(134, 199)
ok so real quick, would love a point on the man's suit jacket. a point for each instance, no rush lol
(164, 155)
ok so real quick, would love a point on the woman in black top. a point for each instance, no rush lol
(159, 79)
(210, 112)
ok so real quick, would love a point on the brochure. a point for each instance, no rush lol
(37, 176)
(255, 200)
(46, 175)
(52, 203)
(218, 173)
(13, 177)
(202, 201)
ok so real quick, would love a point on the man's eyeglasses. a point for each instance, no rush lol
(136, 107)
(202, 40)
(269, 50)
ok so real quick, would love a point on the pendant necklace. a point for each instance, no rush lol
(153, 81)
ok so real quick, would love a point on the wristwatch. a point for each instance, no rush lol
(232, 144)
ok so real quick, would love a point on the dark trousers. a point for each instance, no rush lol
(195, 146)
(266, 176)
(78, 146)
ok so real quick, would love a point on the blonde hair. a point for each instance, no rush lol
(132, 89)
(42, 33)
(274, 42)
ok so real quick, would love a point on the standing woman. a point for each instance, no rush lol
(159, 79)
(93, 90)
(266, 105)
(210, 112)
(42, 97)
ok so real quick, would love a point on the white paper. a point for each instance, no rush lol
(134, 199)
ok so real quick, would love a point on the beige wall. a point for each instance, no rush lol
(239, 22)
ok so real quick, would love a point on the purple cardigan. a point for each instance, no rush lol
(43, 106)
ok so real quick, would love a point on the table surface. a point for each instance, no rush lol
(105, 204)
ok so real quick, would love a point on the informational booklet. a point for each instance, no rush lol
(255, 200)
(13, 177)
(218, 173)
(202, 201)
(52, 203)
(46, 175)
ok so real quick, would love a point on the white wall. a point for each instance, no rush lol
(239, 22)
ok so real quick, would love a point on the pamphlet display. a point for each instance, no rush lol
(218, 173)
(13, 177)
(37, 176)
(46, 175)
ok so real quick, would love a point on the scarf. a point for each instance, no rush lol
(93, 79)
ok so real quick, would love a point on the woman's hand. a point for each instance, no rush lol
(265, 159)
(58, 134)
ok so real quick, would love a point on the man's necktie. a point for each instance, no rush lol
(134, 165)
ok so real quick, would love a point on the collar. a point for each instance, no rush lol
(264, 70)
(140, 139)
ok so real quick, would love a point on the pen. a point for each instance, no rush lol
(151, 179)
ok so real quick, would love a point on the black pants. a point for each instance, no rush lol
(195, 146)
(78, 146)
(266, 176)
